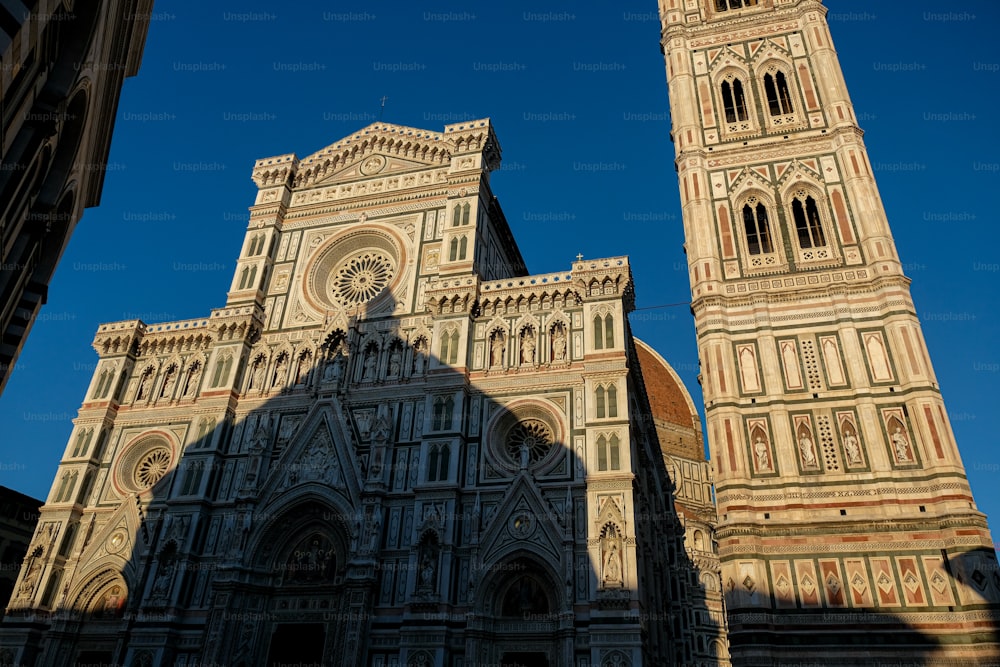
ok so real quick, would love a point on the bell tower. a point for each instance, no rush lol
(847, 528)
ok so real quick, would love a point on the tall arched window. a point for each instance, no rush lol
(734, 101)
(598, 333)
(438, 459)
(808, 227)
(604, 332)
(779, 100)
(608, 453)
(609, 331)
(222, 368)
(612, 401)
(441, 413)
(757, 228)
(600, 400)
(453, 249)
(614, 454)
(463, 246)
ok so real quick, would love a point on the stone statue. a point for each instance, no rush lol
(497, 351)
(257, 380)
(558, 343)
(369, 372)
(194, 374)
(807, 450)
(143, 386)
(763, 460)
(612, 564)
(168, 383)
(528, 347)
(525, 455)
(427, 571)
(161, 588)
(901, 445)
(395, 362)
(851, 445)
(418, 358)
(279, 371)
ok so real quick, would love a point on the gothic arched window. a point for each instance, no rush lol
(758, 230)
(441, 415)
(779, 100)
(808, 226)
(453, 249)
(604, 332)
(734, 101)
(438, 460)
(600, 399)
(463, 246)
(608, 453)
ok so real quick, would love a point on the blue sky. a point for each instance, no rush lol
(578, 98)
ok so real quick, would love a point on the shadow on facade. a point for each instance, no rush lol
(358, 502)
(851, 624)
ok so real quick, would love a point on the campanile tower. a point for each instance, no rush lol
(847, 527)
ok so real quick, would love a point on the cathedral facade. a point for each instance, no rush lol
(847, 528)
(391, 447)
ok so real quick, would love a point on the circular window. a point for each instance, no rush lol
(354, 269)
(151, 468)
(361, 278)
(530, 439)
(524, 435)
(143, 464)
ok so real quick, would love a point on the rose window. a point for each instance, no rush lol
(151, 468)
(361, 278)
(531, 435)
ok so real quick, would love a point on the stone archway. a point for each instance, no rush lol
(295, 611)
(520, 609)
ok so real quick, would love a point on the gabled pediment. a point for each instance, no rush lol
(318, 454)
(523, 520)
(378, 150)
(374, 164)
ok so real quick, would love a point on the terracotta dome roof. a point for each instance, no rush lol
(668, 398)
(670, 404)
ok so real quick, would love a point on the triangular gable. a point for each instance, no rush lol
(121, 540)
(523, 519)
(377, 150)
(319, 453)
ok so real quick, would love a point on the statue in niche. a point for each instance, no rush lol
(558, 343)
(395, 361)
(760, 450)
(31, 577)
(334, 368)
(369, 365)
(279, 370)
(901, 445)
(302, 372)
(144, 385)
(852, 447)
(161, 587)
(257, 379)
(194, 374)
(497, 348)
(168, 382)
(419, 361)
(528, 347)
(807, 450)
(612, 563)
(525, 455)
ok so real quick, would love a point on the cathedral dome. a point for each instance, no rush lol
(677, 422)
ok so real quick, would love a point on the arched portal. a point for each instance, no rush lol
(299, 597)
(522, 602)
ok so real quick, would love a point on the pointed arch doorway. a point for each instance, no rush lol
(521, 609)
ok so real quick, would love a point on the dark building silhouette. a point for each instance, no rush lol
(18, 518)
(61, 73)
